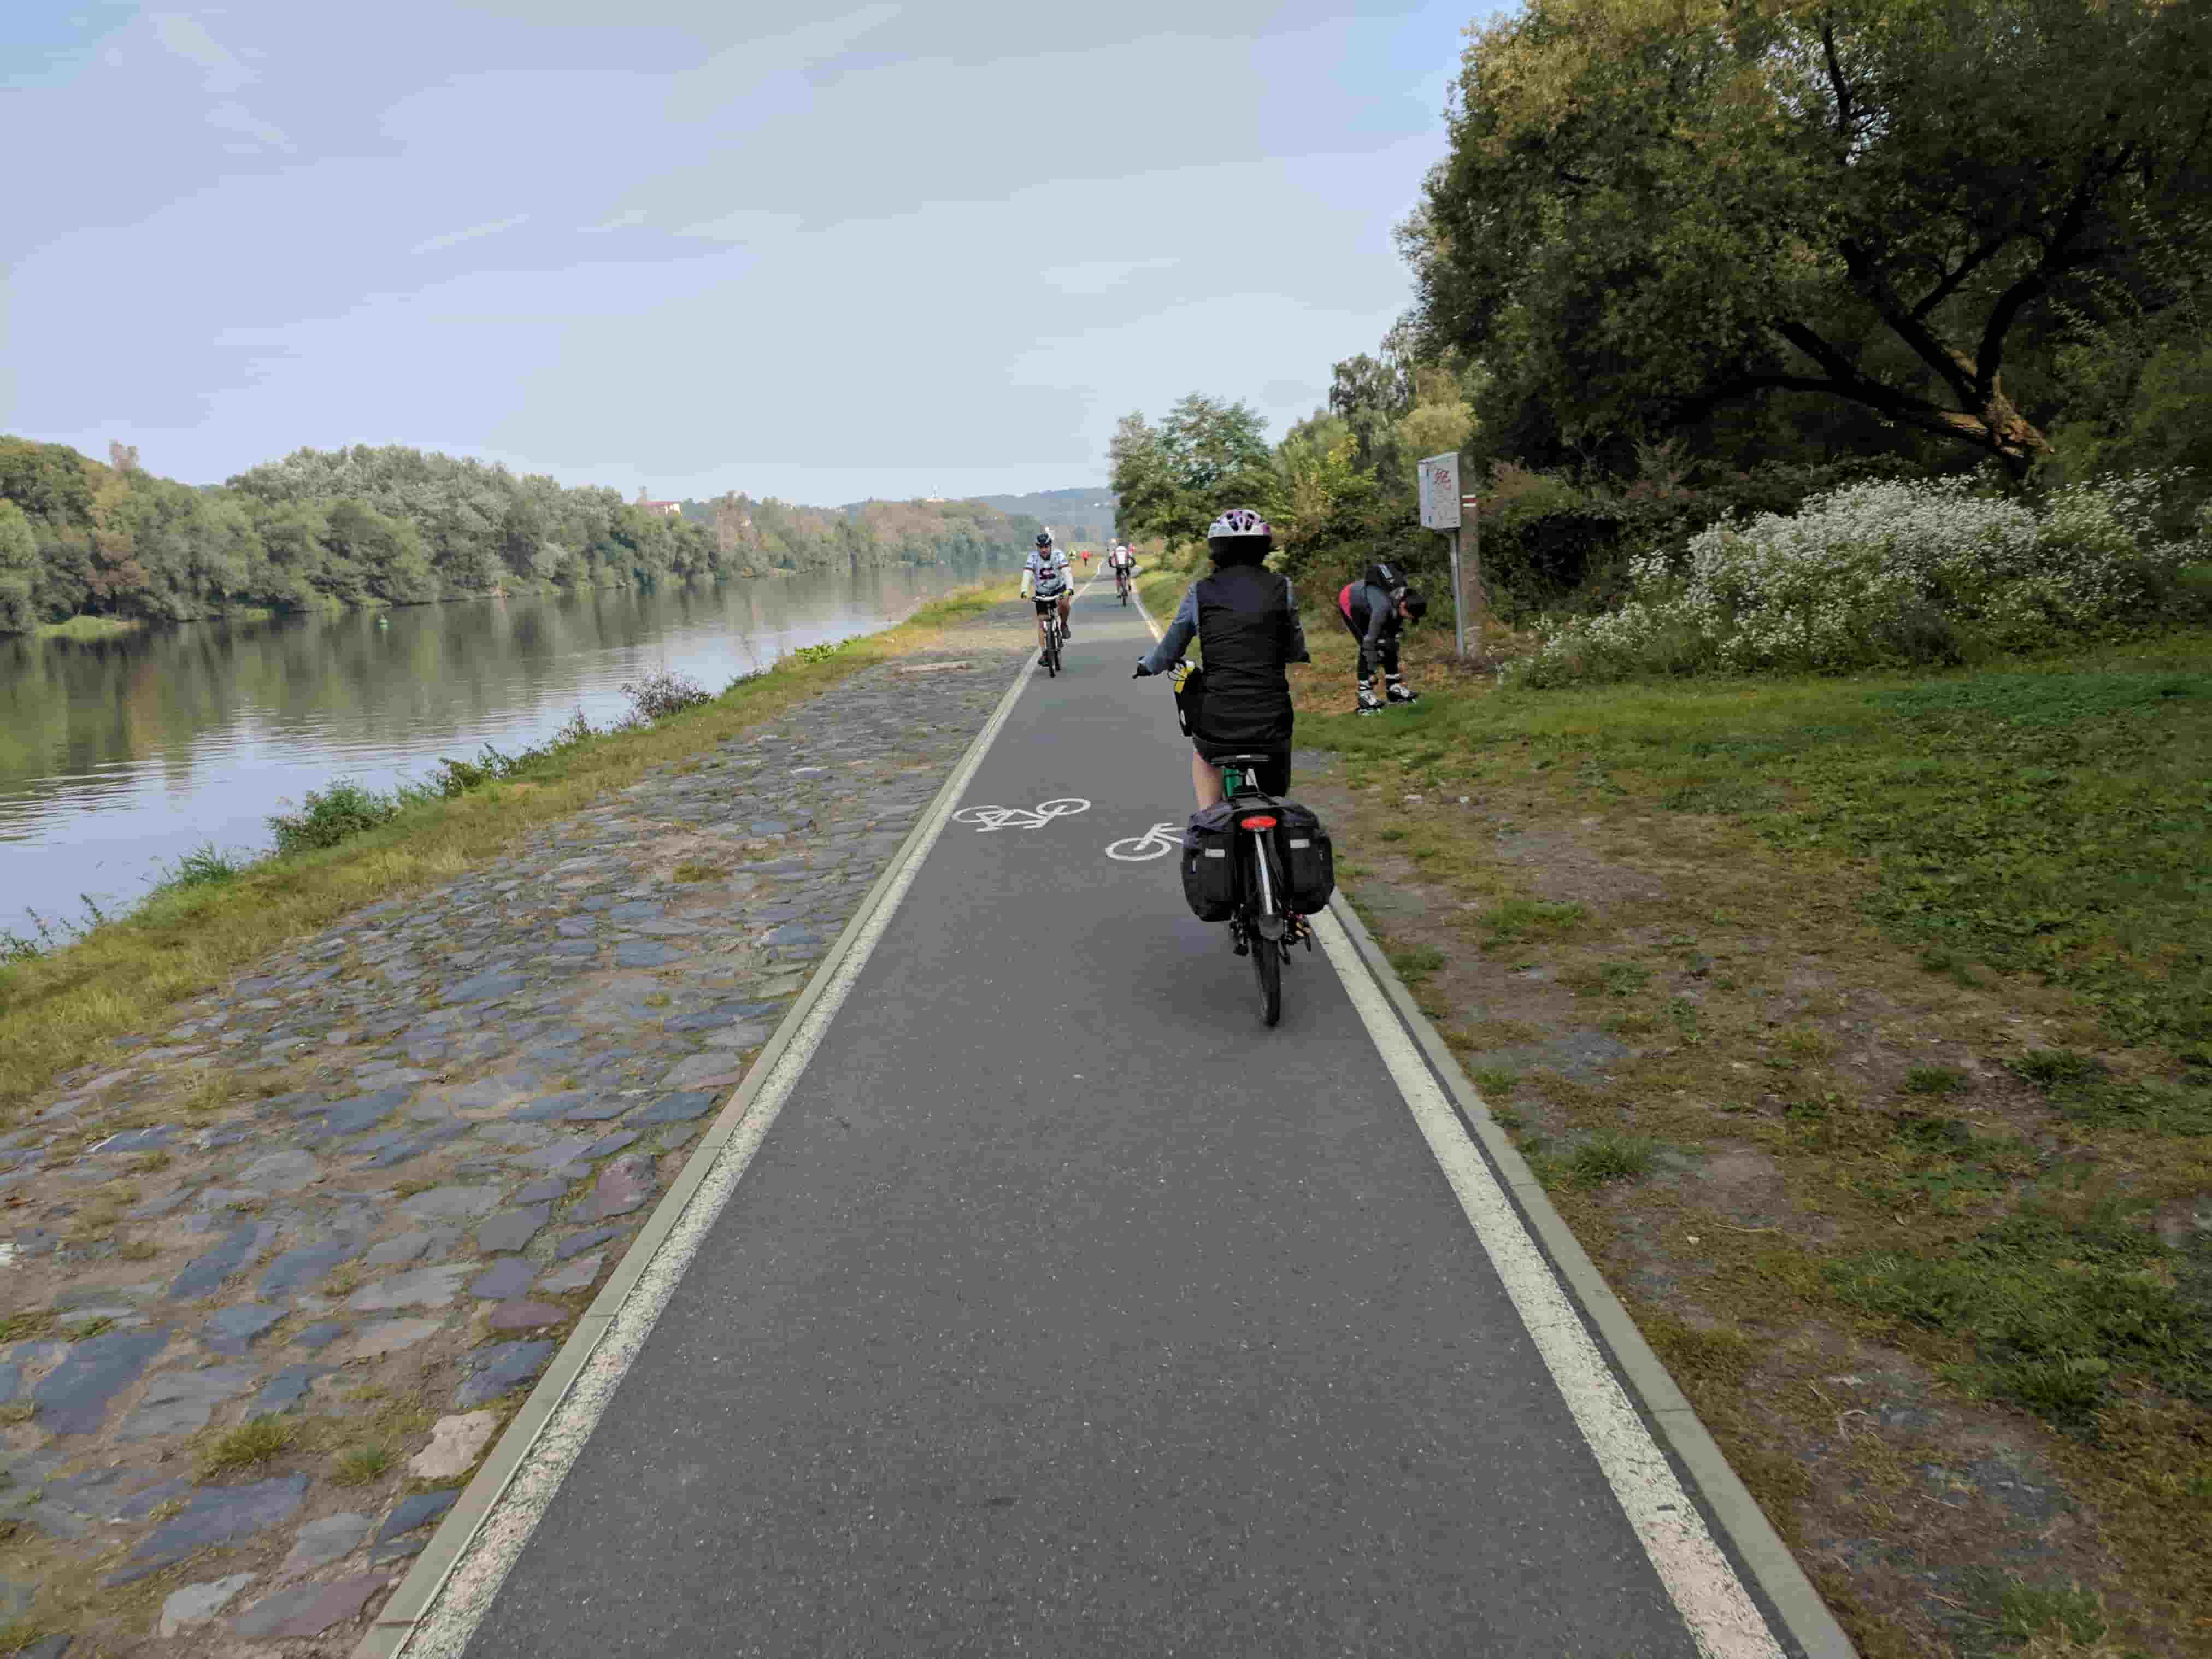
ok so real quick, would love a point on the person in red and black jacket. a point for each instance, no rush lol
(1376, 609)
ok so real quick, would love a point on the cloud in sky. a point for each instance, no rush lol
(1099, 275)
(454, 238)
(222, 74)
(188, 39)
(930, 248)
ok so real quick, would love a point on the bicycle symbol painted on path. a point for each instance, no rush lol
(988, 818)
(1155, 843)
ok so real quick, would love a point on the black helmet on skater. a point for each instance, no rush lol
(1240, 536)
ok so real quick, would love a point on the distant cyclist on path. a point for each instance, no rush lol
(1046, 578)
(1246, 619)
(1123, 563)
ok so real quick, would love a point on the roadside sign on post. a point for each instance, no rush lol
(1440, 492)
(1440, 511)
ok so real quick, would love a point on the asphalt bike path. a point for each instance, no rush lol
(1065, 1309)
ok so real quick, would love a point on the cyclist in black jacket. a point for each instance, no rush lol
(1246, 619)
(1376, 609)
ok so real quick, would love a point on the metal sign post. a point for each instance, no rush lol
(1471, 527)
(1440, 502)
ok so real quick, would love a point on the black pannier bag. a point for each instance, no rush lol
(1209, 865)
(1309, 860)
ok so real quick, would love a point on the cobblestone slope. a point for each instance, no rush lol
(364, 1194)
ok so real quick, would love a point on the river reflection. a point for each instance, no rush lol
(117, 756)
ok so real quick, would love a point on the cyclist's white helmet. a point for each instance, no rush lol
(1240, 533)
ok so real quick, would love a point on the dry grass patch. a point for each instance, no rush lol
(361, 1464)
(249, 1445)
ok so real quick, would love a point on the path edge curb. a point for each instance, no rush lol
(418, 1590)
(1772, 1563)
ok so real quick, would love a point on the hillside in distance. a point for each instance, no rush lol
(1075, 515)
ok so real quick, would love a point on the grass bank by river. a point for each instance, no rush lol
(1859, 1026)
(283, 1264)
(89, 627)
(56, 1009)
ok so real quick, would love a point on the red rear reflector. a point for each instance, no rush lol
(1259, 823)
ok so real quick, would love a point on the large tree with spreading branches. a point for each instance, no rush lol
(1652, 208)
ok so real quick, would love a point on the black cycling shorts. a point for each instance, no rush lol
(1273, 774)
(1052, 604)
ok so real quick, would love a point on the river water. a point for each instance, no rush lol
(119, 756)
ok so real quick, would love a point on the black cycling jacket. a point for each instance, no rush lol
(1246, 619)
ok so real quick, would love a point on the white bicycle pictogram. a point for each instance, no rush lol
(1155, 843)
(988, 818)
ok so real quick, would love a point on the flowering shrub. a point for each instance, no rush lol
(1885, 572)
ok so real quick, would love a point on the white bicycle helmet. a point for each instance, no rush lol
(1240, 536)
(1238, 522)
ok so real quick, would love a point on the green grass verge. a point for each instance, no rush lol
(1934, 945)
(2053, 819)
(89, 627)
(60, 1007)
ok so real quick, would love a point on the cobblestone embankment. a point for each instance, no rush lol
(360, 1197)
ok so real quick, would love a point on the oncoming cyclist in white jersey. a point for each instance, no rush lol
(1045, 578)
(1123, 563)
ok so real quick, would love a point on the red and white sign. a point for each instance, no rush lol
(1440, 492)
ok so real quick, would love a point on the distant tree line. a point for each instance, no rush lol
(394, 525)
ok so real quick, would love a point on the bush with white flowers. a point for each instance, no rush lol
(1891, 571)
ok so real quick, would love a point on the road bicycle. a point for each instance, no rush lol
(1052, 639)
(1121, 585)
(1263, 925)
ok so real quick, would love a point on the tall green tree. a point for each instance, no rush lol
(1652, 208)
(18, 569)
(1149, 500)
(1207, 456)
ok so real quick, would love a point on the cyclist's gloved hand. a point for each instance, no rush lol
(1141, 669)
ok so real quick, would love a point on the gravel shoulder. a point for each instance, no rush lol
(277, 1276)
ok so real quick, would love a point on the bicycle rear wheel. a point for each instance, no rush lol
(1267, 964)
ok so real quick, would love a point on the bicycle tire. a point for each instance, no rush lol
(1267, 964)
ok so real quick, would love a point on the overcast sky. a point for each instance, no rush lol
(810, 251)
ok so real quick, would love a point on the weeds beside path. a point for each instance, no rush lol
(58, 1009)
(1859, 1028)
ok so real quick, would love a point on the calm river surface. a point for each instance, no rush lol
(117, 757)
